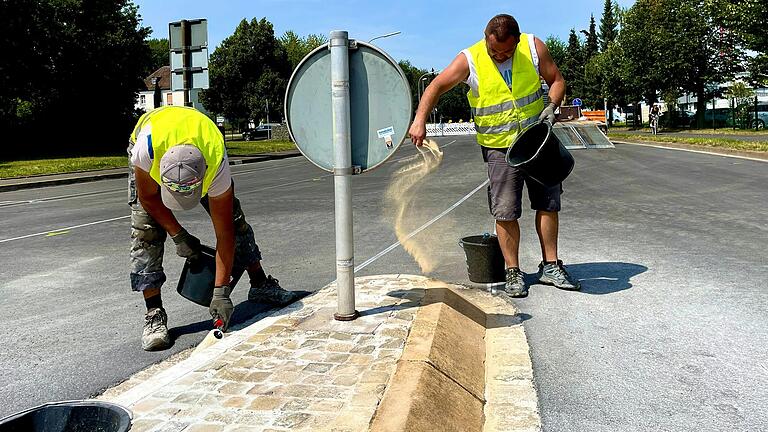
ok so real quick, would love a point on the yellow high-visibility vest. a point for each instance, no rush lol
(500, 112)
(177, 125)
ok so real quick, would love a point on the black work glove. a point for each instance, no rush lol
(221, 305)
(187, 245)
(548, 114)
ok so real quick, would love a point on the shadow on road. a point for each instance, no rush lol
(244, 312)
(604, 277)
(450, 298)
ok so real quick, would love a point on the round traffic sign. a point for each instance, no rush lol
(576, 102)
(380, 106)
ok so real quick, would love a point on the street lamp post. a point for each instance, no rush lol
(384, 36)
(423, 77)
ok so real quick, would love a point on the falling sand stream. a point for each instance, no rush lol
(401, 197)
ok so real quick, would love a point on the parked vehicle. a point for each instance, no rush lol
(261, 131)
(723, 117)
(762, 116)
(677, 119)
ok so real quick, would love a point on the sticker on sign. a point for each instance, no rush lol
(389, 131)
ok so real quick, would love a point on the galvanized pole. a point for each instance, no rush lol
(342, 163)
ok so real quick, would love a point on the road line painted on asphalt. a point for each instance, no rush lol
(692, 151)
(60, 230)
(421, 228)
(60, 197)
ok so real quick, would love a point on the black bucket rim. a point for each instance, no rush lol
(124, 413)
(462, 241)
(538, 149)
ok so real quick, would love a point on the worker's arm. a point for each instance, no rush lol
(455, 73)
(551, 74)
(221, 216)
(149, 197)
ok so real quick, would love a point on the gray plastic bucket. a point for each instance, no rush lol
(71, 416)
(485, 262)
(540, 155)
(198, 279)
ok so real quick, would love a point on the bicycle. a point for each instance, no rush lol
(654, 123)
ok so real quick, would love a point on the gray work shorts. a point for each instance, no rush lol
(148, 240)
(505, 191)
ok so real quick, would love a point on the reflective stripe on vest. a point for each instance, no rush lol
(500, 111)
(176, 125)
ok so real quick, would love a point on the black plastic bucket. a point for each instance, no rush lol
(485, 262)
(72, 416)
(540, 155)
(198, 279)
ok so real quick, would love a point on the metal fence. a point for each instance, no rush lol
(447, 129)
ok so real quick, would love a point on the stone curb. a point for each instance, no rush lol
(465, 368)
(89, 176)
(415, 360)
(752, 155)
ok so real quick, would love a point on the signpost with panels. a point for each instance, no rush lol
(188, 41)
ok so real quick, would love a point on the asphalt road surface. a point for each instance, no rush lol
(668, 334)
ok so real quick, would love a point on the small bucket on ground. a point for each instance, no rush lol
(540, 155)
(199, 278)
(485, 262)
(71, 416)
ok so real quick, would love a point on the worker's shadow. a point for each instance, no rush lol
(245, 313)
(600, 277)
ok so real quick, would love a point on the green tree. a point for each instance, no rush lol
(746, 19)
(67, 62)
(248, 71)
(591, 46)
(557, 49)
(608, 26)
(412, 73)
(573, 66)
(159, 52)
(297, 47)
(453, 104)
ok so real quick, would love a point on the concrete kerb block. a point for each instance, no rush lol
(475, 341)
(426, 400)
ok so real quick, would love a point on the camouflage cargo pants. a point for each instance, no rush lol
(148, 240)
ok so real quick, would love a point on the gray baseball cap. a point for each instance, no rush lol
(182, 169)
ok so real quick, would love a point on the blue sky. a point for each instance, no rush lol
(432, 32)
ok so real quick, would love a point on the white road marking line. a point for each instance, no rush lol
(421, 228)
(692, 151)
(58, 230)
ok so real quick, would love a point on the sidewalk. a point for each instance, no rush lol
(423, 356)
(88, 176)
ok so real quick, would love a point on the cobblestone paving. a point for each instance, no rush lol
(305, 372)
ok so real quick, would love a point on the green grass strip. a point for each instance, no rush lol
(27, 168)
(248, 148)
(728, 143)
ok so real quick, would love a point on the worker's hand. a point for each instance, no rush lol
(221, 305)
(548, 114)
(418, 132)
(187, 245)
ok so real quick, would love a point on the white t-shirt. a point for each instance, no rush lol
(505, 69)
(141, 158)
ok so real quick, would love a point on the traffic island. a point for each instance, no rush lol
(424, 355)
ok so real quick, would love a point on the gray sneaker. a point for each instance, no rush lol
(155, 336)
(515, 286)
(270, 292)
(555, 274)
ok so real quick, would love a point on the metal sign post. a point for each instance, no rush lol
(348, 108)
(342, 173)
